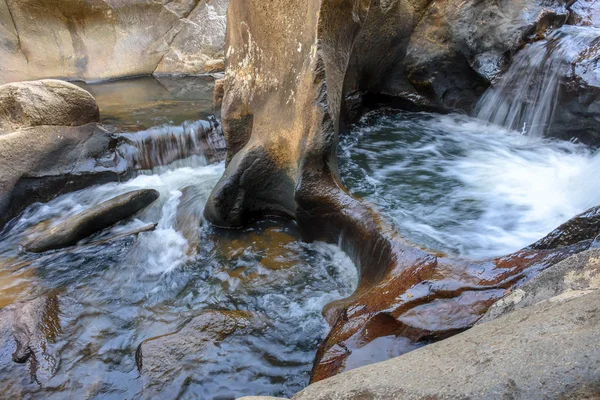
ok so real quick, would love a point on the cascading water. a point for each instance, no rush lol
(461, 186)
(525, 98)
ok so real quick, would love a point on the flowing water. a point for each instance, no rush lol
(459, 185)
(109, 298)
(525, 97)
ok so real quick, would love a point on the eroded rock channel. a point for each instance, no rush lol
(411, 181)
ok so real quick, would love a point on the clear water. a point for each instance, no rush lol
(113, 297)
(458, 185)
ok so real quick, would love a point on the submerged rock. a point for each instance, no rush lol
(160, 360)
(45, 102)
(27, 331)
(98, 217)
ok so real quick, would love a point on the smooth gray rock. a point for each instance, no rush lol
(95, 219)
(550, 350)
(575, 276)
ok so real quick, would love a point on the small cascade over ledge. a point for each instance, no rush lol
(165, 144)
(526, 97)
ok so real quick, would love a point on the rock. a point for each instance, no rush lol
(576, 276)
(161, 359)
(289, 66)
(584, 226)
(94, 40)
(199, 45)
(27, 332)
(45, 102)
(459, 47)
(39, 163)
(95, 219)
(547, 350)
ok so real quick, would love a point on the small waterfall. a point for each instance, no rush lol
(165, 144)
(526, 96)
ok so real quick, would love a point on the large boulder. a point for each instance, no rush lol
(45, 102)
(102, 39)
(40, 163)
(289, 66)
(90, 221)
(50, 144)
(459, 47)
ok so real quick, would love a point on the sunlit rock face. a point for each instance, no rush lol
(101, 39)
(50, 143)
(290, 69)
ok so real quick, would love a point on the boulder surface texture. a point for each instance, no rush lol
(50, 143)
(103, 39)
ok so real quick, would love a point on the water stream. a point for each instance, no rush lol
(465, 187)
(111, 298)
(525, 97)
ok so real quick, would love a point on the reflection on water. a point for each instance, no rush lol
(459, 185)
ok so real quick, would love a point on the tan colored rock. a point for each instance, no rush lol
(103, 39)
(45, 102)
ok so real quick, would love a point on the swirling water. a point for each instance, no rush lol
(112, 297)
(458, 185)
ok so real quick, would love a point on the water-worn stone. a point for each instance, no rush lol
(459, 47)
(102, 39)
(548, 350)
(573, 277)
(288, 68)
(90, 221)
(160, 359)
(45, 102)
(39, 163)
(27, 330)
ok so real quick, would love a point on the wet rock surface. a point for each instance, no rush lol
(514, 356)
(28, 331)
(281, 118)
(99, 217)
(94, 40)
(576, 276)
(161, 359)
(45, 102)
